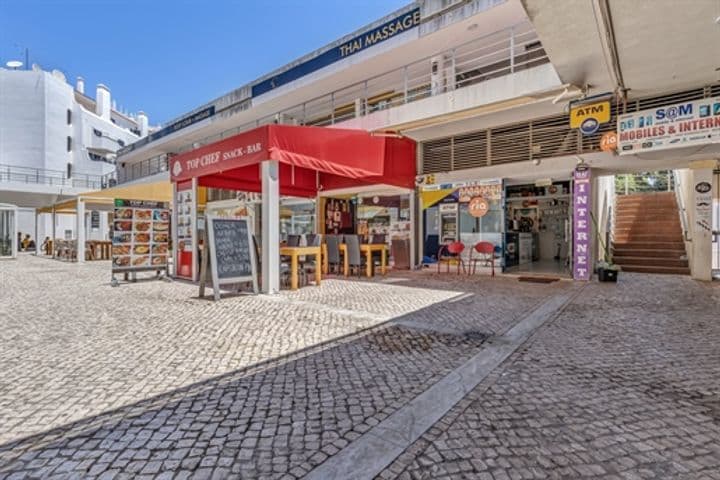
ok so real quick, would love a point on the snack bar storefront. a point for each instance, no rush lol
(275, 161)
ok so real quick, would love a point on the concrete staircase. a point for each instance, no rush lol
(648, 236)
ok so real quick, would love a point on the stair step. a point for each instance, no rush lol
(645, 208)
(646, 196)
(670, 202)
(649, 245)
(650, 269)
(645, 237)
(651, 253)
(647, 221)
(662, 261)
(658, 232)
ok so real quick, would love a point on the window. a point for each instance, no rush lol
(69, 144)
(69, 170)
(69, 117)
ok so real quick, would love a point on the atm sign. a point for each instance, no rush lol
(584, 114)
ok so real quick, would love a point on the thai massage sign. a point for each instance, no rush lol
(581, 224)
(237, 151)
(680, 125)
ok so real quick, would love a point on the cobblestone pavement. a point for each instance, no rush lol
(147, 380)
(623, 384)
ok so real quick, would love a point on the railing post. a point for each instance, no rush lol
(366, 110)
(332, 108)
(512, 49)
(405, 85)
(453, 73)
(669, 180)
(627, 183)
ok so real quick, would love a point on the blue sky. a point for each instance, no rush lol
(168, 56)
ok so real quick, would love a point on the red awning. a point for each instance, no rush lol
(310, 158)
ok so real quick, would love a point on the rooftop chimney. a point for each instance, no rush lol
(142, 120)
(80, 85)
(102, 102)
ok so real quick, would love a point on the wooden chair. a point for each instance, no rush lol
(451, 253)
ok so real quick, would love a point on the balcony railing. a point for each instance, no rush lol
(495, 55)
(138, 170)
(41, 176)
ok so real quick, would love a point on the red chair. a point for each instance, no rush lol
(486, 250)
(451, 253)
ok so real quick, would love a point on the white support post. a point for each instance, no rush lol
(80, 230)
(413, 230)
(37, 231)
(270, 227)
(701, 246)
(54, 240)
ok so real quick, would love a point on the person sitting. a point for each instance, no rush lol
(26, 242)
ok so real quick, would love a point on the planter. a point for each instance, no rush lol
(607, 275)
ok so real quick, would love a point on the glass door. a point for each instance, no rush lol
(8, 237)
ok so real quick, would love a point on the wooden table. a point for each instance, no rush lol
(367, 249)
(294, 253)
(99, 249)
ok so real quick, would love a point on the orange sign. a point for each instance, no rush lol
(608, 142)
(478, 207)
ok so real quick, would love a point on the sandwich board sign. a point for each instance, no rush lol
(228, 245)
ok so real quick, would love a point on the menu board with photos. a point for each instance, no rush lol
(184, 204)
(141, 234)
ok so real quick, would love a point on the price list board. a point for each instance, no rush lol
(141, 234)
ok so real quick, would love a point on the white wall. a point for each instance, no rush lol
(34, 127)
(22, 113)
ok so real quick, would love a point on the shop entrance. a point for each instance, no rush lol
(538, 228)
(8, 231)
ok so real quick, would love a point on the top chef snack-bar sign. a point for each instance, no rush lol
(680, 125)
(234, 152)
(141, 232)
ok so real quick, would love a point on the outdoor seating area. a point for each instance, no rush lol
(453, 254)
(309, 257)
(67, 249)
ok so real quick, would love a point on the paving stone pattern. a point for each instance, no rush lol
(624, 384)
(146, 380)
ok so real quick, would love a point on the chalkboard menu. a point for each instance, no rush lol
(231, 252)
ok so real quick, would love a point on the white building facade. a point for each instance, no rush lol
(56, 141)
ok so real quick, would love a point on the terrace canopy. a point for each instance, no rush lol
(104, 200)
(296, 161)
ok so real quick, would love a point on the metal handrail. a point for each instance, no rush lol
(643, 182)
(42, 176)
(682, 211)
(493, 55)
